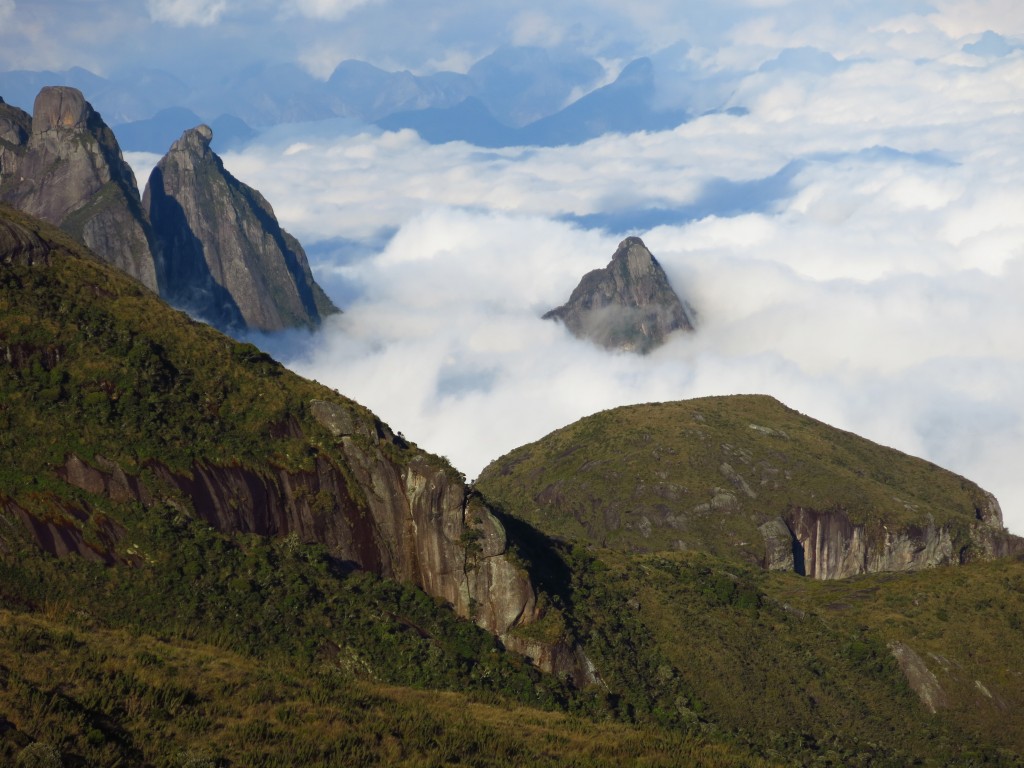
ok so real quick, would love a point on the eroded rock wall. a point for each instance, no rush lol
(414, 521)
(827, 545)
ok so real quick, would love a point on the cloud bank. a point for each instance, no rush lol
(851, 236)
(853, 246)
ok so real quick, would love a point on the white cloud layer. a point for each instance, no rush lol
(864, 263)
(184, 13)
(332, 10)
(854, 245)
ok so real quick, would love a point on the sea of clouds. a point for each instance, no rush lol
(853, 245)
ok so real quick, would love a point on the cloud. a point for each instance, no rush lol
(874, 285)
(184, 13)
(7, 8)
(331, 10)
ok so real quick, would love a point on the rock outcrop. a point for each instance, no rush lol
(220, 251)
(920, 679)
(827, 545)
(629, 305)
(20, 246)
(415, 523)
(65, 166)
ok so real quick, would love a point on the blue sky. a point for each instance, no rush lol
(853, 243)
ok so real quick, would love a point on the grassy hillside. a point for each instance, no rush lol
(83, 695)
(170, 642)
(795, 668)
(704, 474)
(641, 525)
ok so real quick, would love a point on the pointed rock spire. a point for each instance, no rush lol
(221, 253)
(628, 305)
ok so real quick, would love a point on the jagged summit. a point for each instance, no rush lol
(195, 139)
(64, 165)
(628, 305)
(221, 253)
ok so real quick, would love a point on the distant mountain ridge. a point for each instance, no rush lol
(519, 95)
(625, 106)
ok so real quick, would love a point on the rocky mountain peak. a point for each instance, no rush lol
(15, 127)
(61, 107)
(65, 166)
(628, 305)
(221, 253)
(196, 140)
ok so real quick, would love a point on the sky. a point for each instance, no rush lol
(852, 239)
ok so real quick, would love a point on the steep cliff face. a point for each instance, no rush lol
(827, 545)
(116, 409)
(412, 523)
(68, 169)
(220, 251)
(628, 305)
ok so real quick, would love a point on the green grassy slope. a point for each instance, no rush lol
(194, 647)
(200, 648)
(704, 474)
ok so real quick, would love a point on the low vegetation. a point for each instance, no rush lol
(193, 647)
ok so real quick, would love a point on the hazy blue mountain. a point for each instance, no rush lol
(514, 96)
(265, 94)
(520, 85)
(469, 121)
(359, 89)
(123, 98)
(624, 106)
(20, 87)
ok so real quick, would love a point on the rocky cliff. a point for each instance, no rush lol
(828, 545)
(113, 407)
(628, 305)
(414, 522)
(65, 166)
(220, 251)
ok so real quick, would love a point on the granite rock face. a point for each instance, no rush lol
(629, 305)
(65, 166)
(220, 251)
(414, 522)
(827, 545)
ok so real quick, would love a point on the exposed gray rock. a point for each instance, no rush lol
(778, 545)
(919, 677)
(67, 168)
(341, 421)
(628, 305)
(15, 128)
(221, 253)
(20, 246)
